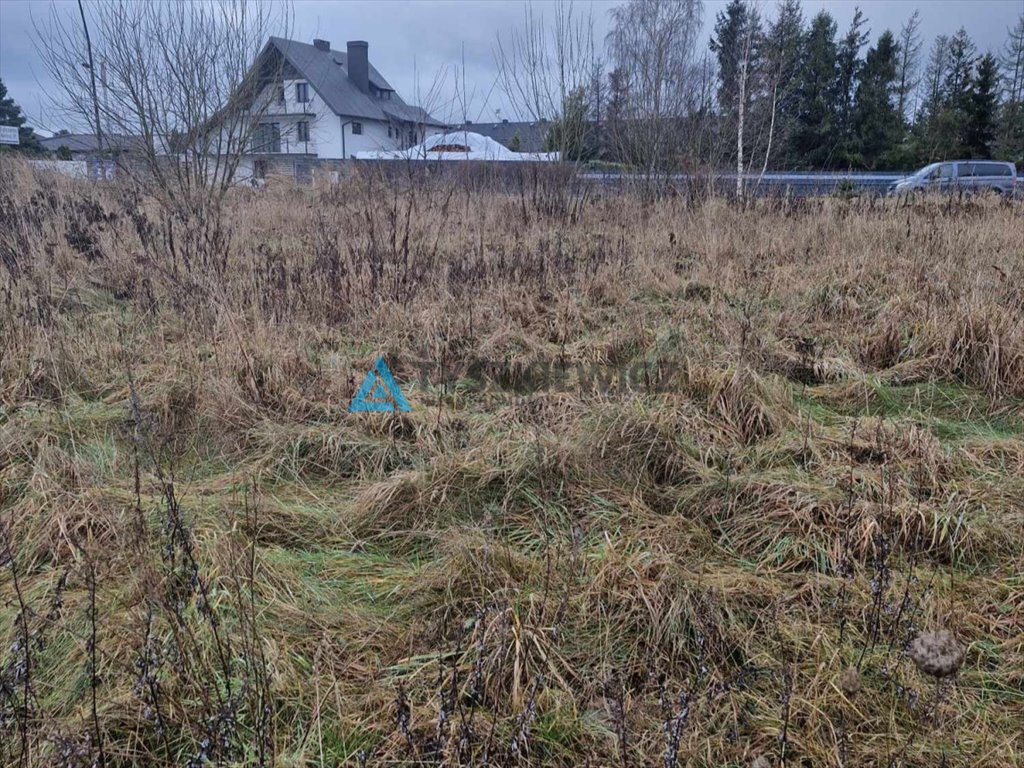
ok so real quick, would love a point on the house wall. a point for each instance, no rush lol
(325, 134)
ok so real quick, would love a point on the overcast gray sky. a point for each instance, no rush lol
(413, 40)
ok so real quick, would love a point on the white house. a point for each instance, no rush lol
(324, 105)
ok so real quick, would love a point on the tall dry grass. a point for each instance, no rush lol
(683, 480)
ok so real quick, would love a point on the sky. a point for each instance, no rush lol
(417, 44)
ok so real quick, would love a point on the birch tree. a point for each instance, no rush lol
(652, 44)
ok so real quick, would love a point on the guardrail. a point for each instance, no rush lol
(776, 183)
(794, 184)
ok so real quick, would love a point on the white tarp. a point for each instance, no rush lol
(459, 145)
(76, 169)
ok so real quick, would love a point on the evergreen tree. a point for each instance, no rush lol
(570, 132)
(781, 61)
(940, 132)
(982, 109)
(10, 115)
(733, 27)
(935, 75)
(877, 121)
(813, 137)
(736, 43)
(957, 83)
(848, 66)
(616, 133)
(951, 130)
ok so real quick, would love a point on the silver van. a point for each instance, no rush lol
(960, 175)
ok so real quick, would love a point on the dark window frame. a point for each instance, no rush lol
(357, 129)
(302, 93)
(266, 138)
(302, 130)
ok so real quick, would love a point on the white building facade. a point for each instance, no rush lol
(320, 106)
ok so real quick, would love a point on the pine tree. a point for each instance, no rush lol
(733, 26)
(616, 110)
(982, 108)
(951, 130)
(10, 115)
(737, 43)
(935, 75)
(782, 49)
(570, 132)
(940, 130)
(848, 70)
(877, 121)
(957, 84)
(813, 138)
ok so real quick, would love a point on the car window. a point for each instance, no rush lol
(991, 169)
(944, 171)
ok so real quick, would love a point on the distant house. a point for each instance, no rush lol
(86, 146)
(80, 155)
(323, 105)
(517, 136)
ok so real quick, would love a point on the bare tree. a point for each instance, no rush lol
(935, 73)
(653, 43)
(910, 50)
(189, 81)
(1012, 63)
(543, 69)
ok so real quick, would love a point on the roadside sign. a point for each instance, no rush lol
(8, 134)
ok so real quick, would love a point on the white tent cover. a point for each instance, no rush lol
(459, 145)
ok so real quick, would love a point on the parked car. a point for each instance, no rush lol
(960, 175)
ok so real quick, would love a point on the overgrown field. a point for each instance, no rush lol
(682, 481)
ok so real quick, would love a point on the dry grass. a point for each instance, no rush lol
(682, 482)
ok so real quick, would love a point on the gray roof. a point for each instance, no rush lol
(327, 72)
(87, 142)
(531, 134)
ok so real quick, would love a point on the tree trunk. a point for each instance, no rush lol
(739, 125)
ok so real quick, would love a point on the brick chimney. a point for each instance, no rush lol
(359, 64)
(322, 45)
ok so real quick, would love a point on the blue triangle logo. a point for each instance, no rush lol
(379, 393)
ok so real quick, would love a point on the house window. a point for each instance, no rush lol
(267, 138)
(357, 129)
(302, 92)
(303, 130)
(389, 131)
(259, 169)
(280, 94)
